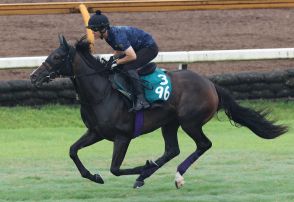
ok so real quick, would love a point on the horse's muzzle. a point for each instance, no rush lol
(38, 80)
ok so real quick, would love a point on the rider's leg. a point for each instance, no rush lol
(144, 56)
(141, 103)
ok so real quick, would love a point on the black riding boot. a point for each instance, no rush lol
(141, 103)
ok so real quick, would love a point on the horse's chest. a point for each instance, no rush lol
(104, 122)
(93, 119)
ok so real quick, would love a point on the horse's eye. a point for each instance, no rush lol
(56, 57)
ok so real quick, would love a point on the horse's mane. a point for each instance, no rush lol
(83, 46)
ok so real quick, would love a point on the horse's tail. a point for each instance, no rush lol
(255, 120)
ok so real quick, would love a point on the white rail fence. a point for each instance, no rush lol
(182, 57)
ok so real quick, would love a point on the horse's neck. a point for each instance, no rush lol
(91, 87)
(100, 103)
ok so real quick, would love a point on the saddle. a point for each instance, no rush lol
(157, 85)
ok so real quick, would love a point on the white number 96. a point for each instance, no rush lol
(162, 92)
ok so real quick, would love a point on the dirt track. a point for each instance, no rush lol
(174, 31)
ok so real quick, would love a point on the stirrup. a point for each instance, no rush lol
(140, 105)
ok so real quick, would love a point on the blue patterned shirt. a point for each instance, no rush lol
(121, 38)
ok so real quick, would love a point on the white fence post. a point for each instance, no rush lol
(183, 66)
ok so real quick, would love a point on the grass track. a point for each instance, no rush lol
(35, 166)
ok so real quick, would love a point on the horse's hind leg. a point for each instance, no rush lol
(89, 138)
(169, 133)
(202, 143)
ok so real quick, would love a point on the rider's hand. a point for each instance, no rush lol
(111, 63)
(102, 60)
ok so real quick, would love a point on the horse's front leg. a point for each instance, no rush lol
(120, 147)
(89, 138)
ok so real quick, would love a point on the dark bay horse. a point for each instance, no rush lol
(194, 101)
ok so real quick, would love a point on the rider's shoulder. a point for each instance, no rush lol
(126, 31)
(122, 28)
(117, 30)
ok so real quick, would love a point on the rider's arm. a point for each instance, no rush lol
(130, 56)
(116, 52)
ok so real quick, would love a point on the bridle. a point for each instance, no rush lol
(67, 62)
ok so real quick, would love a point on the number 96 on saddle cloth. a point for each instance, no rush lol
(157, 86)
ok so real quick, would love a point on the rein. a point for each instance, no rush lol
(86, 102)
(74, 77)
(96, 70)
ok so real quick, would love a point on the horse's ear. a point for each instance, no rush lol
(63, 41)
(60, 37)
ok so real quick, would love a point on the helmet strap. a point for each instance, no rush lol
(102, 32)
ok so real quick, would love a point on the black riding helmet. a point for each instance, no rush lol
(98, 22)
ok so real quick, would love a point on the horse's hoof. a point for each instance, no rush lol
(179, 180)
(98, 179)
(138, 184)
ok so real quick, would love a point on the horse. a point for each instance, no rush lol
(192, 103)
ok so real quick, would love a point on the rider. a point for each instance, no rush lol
(138, 47)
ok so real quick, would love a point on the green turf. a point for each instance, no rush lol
(35, 165)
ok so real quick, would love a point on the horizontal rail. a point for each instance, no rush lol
(225, 55)
(185, 57)
(139, 6)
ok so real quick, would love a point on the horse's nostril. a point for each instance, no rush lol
(32, 77)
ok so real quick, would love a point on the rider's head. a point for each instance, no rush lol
(98, 23)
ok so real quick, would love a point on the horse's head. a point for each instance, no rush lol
(58, 63)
